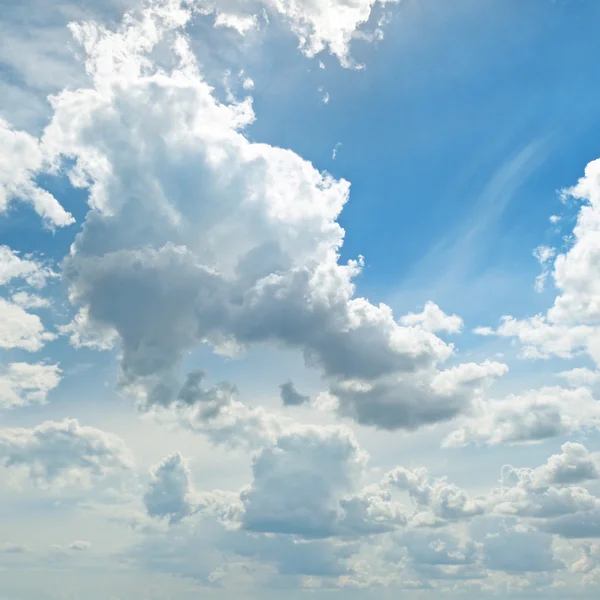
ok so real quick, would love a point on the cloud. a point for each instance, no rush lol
(197, 235)
(25, 300)
(531, 416)
(330, 25)
(436, 500)
(572, 325)
(433, 318)
(580, 377)
(519, 552)
(60, 453)
(290, 396)
(13, 266)
(21, 159)
(306, 485)
(170, 491)
(411, 401)
(22, 384)
(20, 329)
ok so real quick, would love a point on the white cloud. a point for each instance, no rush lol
(531, 416)
(306, 484)
(20, 160)
(580, 376)
(60, 453)
(436, 499)
(241, 24)
(572, 325)
(83, 334)
(12, 266)
(20, 329)
(22, 384)
(26, 300)
(433, 318)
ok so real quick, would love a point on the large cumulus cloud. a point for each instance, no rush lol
(196, 234)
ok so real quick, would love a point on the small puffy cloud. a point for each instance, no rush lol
(22, 157)
(531, 416)
(574, 464)
(22, 384)
(20, 329)
(433, 318)
(290, 396)
(58, 453)
(239, 23)
(13, 266)
(170, 492)
(436, 499)
(25, 300)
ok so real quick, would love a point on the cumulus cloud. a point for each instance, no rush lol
(433, 318)
(27, 268)
(220, 240)
(26, 300)
(436, 499)
(307, 484)
(22, 384)
(290, 396)
(21, 329)
(22, 157)
(58, 453)
(170, 492)
(572, 325)
(531, 416)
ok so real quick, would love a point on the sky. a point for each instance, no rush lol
(299, 299)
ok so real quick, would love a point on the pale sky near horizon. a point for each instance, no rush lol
(299, 298)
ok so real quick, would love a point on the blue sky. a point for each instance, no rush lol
(205, 390)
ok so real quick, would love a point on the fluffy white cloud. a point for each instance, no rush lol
(21, 159)
(57, 453)
(23, 383)
(328, 25)
(572, 325)
(531, 416)
(13, 266)
(20, 329)
(26, 300)
(580, 377)
(436, 499)
(433, 318)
